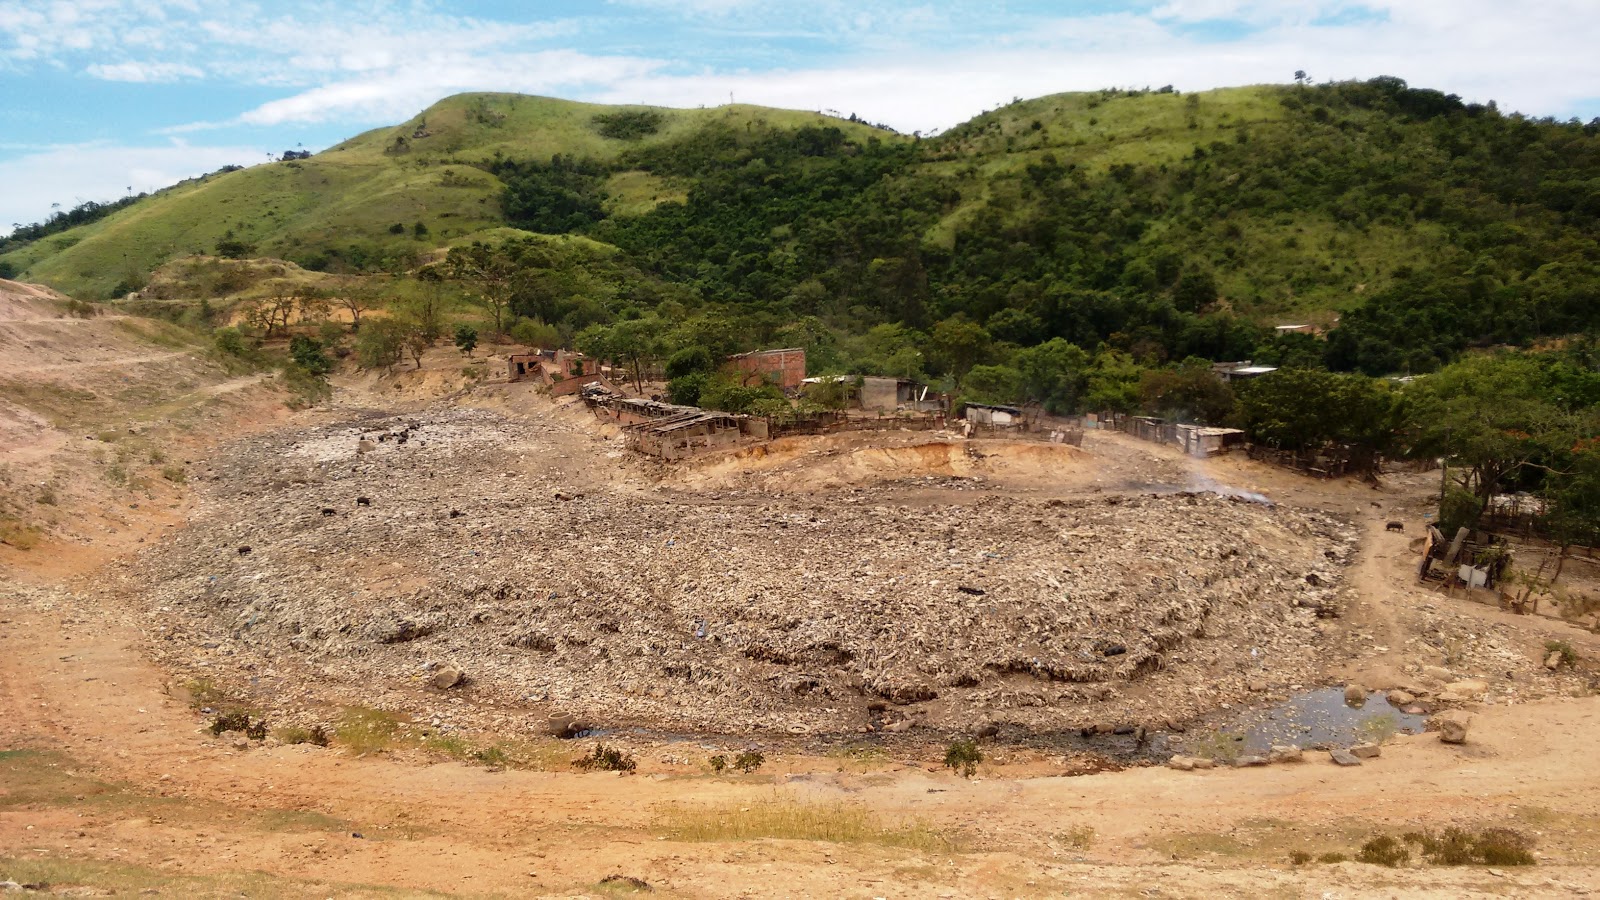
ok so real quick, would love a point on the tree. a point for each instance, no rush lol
(1113, 382)
(356, 297)
(959, 344)
(1055, 373)
(272, 313)
(992, 384)
(381, 344)
(1187, 392)
(466, 338)
(631, 343)
(1491, 417)
(490, 270)
(308, 354)
(1306, 409)
(1195, 291)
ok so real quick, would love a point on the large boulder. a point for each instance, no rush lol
(1355, 694)
(1344, 758)
(447, 677)
(1282, 753)
(1452, 726)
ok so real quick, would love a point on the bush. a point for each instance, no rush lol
(963, 756)
(466, 338)
(1569, 656)
(685, 389)
(718, 763)
(689, 360)
(1384, 851)
(307, 354)
(606, 759)
(380, 344)
(316, 735)
(1460, 847)
(1299, 857)
(535, 333)
(749, 761)
(228, 341)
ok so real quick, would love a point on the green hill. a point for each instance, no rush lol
(344, 202)
(1158, 224)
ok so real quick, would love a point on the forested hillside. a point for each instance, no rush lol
(1135, 226)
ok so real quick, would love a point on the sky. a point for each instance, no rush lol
(102, 97)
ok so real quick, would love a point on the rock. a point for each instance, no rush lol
(559, 726)
(447, 678)
(1434, 673)
(1553, 661)
(1181, 763)
(1452, 726)
(1201, 763)
(1104, 728)
(365, 446)
(1398, 698)
(1282, 753)
(1469, 689)
(1415, 710)
(1257, 685)
(1344, 758)
(1366, 750)
(1355, 694)
(1247, 762)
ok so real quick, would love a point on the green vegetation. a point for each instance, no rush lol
(606, 759)
(963, 756)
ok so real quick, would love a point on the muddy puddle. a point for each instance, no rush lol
(1315, 718)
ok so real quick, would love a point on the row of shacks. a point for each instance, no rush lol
(670, 431)
(1196, 440)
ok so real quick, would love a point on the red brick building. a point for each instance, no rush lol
(784, 368)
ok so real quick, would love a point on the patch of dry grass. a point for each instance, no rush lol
(791, 820)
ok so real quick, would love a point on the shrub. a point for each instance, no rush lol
(1569, 656)
(238, 720)
(718, 763)
(228, 341)
(1299, 857)
(1384, 851)
(1333, 858)
(749, 761)
(466, 338)
(174, 474)
(1460, 847)
(307, 354)
(316, 735)
(963, 756)
(494, 757)
(606, 759)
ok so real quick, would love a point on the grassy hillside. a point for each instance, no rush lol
(1155, 224)
(341, 205)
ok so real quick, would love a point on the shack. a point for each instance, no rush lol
(886, 394)
(675, 437)
(993, 416)
(1202, 441)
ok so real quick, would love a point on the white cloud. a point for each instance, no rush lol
(400, 92)
(70, 175)
(144, 72)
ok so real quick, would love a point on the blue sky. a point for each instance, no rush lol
(97, 96)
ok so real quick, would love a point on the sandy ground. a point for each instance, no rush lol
(109, 781)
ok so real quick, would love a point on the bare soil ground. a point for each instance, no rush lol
(110, 780)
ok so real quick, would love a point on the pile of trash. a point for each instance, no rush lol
(351, 563)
